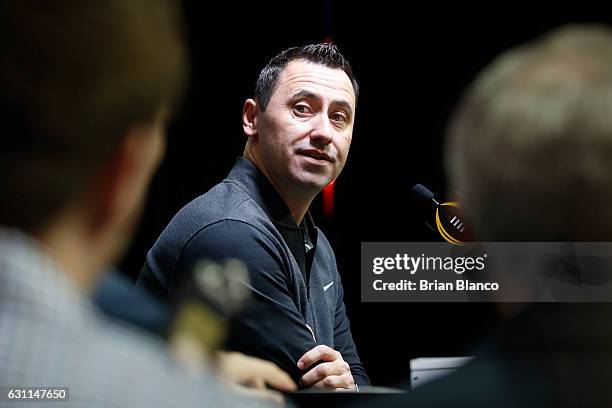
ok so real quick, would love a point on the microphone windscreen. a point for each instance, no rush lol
(422, 191)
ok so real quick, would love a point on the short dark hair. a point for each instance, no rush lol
(324, 54)
(75, 75)
(530, 145)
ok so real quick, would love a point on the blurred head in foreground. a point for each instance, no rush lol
(530, 145)
(86, 90)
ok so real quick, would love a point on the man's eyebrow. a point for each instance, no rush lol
(310, 95)
(345, 105)
(305, 94)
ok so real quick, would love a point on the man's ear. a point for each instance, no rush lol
(121, 183)
(249, 118)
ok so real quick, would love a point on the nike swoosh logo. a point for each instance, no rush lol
(311, 332)
(329, 285)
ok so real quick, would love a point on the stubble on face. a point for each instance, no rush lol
(306, 130)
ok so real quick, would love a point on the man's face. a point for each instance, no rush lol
(306, 130)
(142, 152)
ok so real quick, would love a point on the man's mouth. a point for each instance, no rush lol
(316, 154)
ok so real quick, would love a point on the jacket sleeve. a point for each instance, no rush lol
(271, 328)
(343, 340)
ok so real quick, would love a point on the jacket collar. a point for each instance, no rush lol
(247, 175)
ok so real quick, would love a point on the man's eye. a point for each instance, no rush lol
(302, 108)
(338, 117)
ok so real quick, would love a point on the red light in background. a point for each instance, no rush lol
(328, 199)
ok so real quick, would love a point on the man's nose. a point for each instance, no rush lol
(322, 131)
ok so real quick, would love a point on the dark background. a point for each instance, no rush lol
(412, 64)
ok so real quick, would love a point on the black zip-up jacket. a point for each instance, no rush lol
(244, 217)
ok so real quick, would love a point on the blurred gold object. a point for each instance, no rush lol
(197, 323)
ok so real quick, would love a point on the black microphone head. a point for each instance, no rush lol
(423, 191)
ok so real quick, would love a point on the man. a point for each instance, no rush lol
(86, 90)
(299, 127)
(530, 148)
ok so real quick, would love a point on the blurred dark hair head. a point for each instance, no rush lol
(75, 75)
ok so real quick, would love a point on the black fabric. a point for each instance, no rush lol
(299, 242)
(551, 355)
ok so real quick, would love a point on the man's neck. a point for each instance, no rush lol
(297, 200)
(298, 208)
(79, 257)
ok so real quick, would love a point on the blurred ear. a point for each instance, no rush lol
(249, 118)
(119, 189)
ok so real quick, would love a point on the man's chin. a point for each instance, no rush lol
(317, 184)
(312, 181)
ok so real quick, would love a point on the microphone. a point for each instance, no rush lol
(205, 301)
(425, 193)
